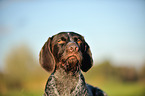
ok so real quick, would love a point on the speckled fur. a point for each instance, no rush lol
(65, 82)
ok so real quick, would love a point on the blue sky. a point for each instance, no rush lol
(114, 29)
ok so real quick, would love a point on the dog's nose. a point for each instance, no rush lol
(73, 47)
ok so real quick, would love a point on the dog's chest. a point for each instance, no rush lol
(65, 83)
(59, 85)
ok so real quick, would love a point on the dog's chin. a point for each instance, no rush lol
(72, 65)
(72, 60)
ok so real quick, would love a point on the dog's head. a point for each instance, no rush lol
(67, 50)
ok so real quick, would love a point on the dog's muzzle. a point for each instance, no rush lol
(72, 59)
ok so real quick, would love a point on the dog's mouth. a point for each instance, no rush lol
(72, 58)
(71, 64)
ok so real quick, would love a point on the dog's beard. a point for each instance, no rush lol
(71, 64)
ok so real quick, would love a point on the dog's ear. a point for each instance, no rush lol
(46, 58)
(87, 61)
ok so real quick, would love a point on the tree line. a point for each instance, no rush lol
(118, 73)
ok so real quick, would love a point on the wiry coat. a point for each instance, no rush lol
(65, 55)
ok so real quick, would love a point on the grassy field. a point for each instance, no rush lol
(111, 88)
(124, 89)
(118, 88)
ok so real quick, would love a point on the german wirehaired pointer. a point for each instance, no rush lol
(65, 55)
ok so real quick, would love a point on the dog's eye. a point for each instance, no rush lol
(79, 41)
(61, 41)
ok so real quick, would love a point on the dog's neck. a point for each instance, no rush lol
(65, 82)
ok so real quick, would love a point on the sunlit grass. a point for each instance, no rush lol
(113, 88)
(24, 93)
(124, 89)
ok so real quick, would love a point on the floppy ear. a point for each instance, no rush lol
(87, 61)
(46, 58)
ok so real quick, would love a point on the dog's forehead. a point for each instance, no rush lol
(62, 34)
(67, 35)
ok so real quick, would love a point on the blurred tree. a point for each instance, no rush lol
(142, 73)
(20, 62)
(20, 66)
(108, 71)
(104, 70)
(21, 72)
(127, 74)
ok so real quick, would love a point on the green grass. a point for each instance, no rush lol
(23, 93)
(111, 88)
(124, 89)
(120, 88)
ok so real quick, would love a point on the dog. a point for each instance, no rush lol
(65, 55)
